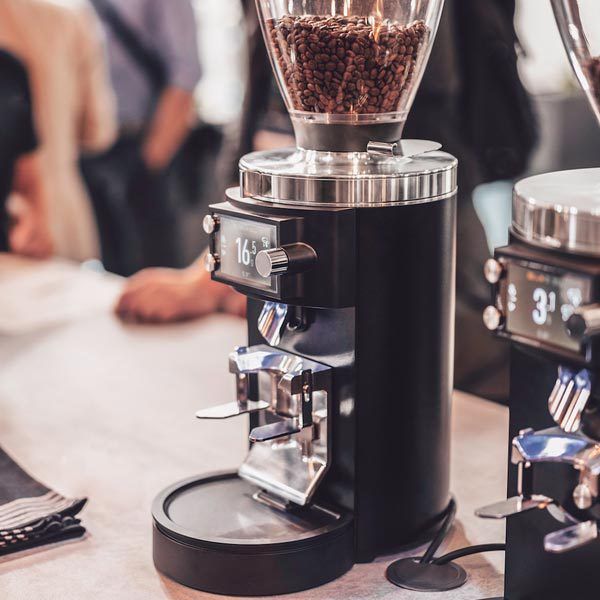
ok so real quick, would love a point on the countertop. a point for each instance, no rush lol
(96, 408)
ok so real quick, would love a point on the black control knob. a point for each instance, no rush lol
(584, 322)
(287, 259)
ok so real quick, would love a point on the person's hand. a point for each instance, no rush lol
(30, 236)
(169, 295)
(154, 158)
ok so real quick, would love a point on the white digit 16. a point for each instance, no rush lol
(540, 297)
(243, 252)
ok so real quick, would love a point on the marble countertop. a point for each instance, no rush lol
(96, 408)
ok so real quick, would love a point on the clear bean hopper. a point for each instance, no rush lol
(348, 68)
(579, 25)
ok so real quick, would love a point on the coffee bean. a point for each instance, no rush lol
(345, 64)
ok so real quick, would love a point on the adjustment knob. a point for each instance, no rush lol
(584, 322)
(272, 262)
(210, 224)
(493, 270)
(211, 262)
(292, 258)
(492, 318)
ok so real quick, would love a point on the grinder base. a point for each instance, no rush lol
(210, 534)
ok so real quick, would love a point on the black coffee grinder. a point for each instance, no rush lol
(546, 301)
(345, 248)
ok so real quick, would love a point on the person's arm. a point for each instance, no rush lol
(177, 44)
(30, 235)
(170, 125)
(98, 120)
(169, 295)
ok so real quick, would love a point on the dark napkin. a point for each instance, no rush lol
(32, 514)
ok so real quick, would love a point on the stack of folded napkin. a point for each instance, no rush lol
(30, 513)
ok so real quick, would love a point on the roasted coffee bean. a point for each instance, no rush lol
(345, 64)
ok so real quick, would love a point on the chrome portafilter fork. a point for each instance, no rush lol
(553, 446)
(569, 397)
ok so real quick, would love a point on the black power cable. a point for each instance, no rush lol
(468, 551)
(437, 574)
(442, 533)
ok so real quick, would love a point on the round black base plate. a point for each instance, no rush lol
(411, 574)
(211, 535)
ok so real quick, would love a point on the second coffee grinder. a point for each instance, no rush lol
(546, 301)
(345, 248)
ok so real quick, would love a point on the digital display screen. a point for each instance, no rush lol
(539, 303)
(237, 242)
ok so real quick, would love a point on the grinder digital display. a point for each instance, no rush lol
(238, 241)
(539, 303)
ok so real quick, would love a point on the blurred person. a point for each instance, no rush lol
(155, 67)
(20, 174)
(59, 43)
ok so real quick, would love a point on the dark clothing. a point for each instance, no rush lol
(136, 221)
(152, 46)
(472, 101)
(497, 119)
(17, 134)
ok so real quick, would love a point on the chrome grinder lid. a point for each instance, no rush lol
(559, 210)
(347, 179)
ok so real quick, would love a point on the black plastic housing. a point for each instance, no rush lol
(331, 282)
(380, 308)
(531, 573)
(377, 306)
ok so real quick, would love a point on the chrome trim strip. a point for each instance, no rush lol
(401, 182)
(559, 211)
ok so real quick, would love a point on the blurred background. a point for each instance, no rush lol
(122, 121)
(567, 130)
(202, 158)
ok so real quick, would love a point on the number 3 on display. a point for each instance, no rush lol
(545, 303)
